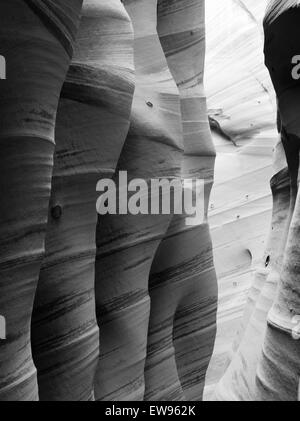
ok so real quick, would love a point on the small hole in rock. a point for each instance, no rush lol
(267, 262)
(56, 212)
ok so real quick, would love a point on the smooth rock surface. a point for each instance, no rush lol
(183, 286)
(37, 44)
(242, 109)
(92, 124)
(126, 244)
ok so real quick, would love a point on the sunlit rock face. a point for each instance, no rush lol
(239, 380)
(242, 110)
(265, 362)
(238, 86)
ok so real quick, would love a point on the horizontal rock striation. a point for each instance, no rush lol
(239, 380)
(183, 287)
(37, 50)
(92, 123)
(266, 364)
(126, 244)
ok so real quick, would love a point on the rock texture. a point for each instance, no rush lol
(242, 110)
(126, 244)
(155, 280)
(266, 364)
(167, 136)
(239, 90)
(183, 286)
(133, 101)
(279, 369)
(92, 123)
(37, 40)
(238, 383)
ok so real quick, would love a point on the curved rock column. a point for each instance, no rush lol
(279, 369)
(126, 244)
(36, 38)
(92, 124)
(183, 285)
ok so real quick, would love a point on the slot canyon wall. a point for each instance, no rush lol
(38, 43)
(264, 361)
(124, 306)
(242, 112)
(98, 90)
(157, 259)
(117, 111)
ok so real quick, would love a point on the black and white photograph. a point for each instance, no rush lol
(149, 205)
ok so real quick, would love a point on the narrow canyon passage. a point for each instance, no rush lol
(149, 202)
